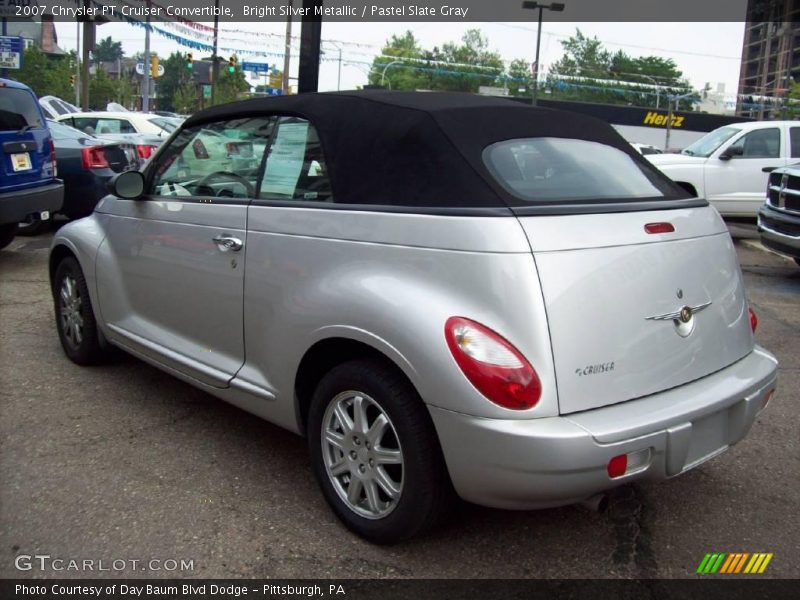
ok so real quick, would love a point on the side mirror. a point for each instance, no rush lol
(128, 185)
(730, 152)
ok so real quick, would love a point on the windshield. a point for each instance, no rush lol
(562, 169)
(707, 144)
(64, 132)
(166, 123)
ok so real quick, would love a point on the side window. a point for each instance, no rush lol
(794, 139)
(762, 143)
(220, 159)
(296, 168)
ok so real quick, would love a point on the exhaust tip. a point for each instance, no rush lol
(597, 503)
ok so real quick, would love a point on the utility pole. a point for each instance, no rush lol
(554, 7)
(78, 64)
(146, 74)
(88, 45)
(287, 50)
(214, 60)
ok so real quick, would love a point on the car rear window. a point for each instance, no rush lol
(18, 109)
(550, 169)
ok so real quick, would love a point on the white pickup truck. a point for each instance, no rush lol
(729, 166)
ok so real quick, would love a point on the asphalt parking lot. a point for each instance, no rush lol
(123, 462)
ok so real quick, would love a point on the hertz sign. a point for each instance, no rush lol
(655, 119)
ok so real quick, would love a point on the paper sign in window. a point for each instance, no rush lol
(285, 160)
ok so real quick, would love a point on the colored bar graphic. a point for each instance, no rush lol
(764, 564)
(730, 563)
(703, 563)
(741, 562)
(726, 565)
(718, 563)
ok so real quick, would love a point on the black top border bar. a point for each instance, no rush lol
(463, 11)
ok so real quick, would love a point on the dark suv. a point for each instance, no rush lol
(779, 218)
(29, 189)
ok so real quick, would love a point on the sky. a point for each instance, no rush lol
(705, 52)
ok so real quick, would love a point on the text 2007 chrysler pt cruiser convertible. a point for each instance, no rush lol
(439, 290)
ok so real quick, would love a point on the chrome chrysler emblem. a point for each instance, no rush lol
(782, 190)
(683, 318)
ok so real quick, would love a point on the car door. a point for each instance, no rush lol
(735, 177)
(172, 263)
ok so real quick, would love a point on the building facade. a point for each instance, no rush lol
(770, 58)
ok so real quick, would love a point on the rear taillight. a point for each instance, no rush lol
(145, 151)
(492, 364)
(53, 157)
(94, 158)
(753, 319)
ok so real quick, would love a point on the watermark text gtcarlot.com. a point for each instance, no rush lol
(45, 562)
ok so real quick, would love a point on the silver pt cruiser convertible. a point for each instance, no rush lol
(440, 291)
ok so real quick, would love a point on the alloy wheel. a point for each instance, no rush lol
(70, 305)
(362, 454)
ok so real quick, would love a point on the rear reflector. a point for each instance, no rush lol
(496, 368)
(617, 466)
(659, 228)
(632, 462)
(753, 319)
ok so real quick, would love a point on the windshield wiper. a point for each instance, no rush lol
(687, 152)
(24, 129)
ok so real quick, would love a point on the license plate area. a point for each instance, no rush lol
(21, 162)
(709, 438)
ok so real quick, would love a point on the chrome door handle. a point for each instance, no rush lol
(227, 242)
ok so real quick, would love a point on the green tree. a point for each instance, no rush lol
(230, 86)
(102, 90)
(184, 99)
(175, 77)
(398, 67)
(472, 65)
(47, 75)
(107, 50)
(520, 79)
(588, 72)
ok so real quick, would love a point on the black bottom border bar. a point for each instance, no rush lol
(707, 588)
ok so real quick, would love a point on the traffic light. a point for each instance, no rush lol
(154, 67)
(232, 64)
(72, 80)
(189, 61)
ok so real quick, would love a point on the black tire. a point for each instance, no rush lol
(7, 233)
(82, 346)
(424, 490)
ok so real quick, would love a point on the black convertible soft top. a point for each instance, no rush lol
(423, 149)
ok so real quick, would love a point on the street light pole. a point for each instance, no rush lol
(555, 7)
(214, 58)
(655, 84)
(383, 74)
(669, 115)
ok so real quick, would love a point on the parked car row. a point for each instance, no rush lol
(61, 164)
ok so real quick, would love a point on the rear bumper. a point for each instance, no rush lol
(779, 231)
(16, 205)
(539, 463)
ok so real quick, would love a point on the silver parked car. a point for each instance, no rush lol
(441, 291)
